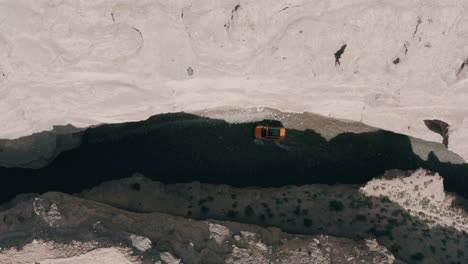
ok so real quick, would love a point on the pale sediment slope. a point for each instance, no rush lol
(49, 252)
(104, 61)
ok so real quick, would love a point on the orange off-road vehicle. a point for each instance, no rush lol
(270, 132)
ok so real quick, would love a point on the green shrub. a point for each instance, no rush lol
(361, 218)
(205, 209)
(262, 218)
(307, 222)
(444, 241)
(395, 248)
(297, 211)
(248, 211)
(278, 201)
(269, 213)
(418, 256)
(336, 206)
(361, 203)
(392, 222)
(397, 212)
(231, 214)
(381, 232)
(135, 186)
(385, 199)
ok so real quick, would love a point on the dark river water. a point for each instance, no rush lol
(183, 147)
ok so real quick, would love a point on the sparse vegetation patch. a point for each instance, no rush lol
(336, 206)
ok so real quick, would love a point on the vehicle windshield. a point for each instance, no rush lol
(274, 132)
(264, 131)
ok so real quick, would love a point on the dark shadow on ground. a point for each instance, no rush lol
(183, 147)
(39, 149)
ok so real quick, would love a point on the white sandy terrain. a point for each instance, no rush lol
(74, 253)
(92, 62)
(421, 196)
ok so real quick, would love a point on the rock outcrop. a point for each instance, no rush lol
(91, 232)
(407, 212)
